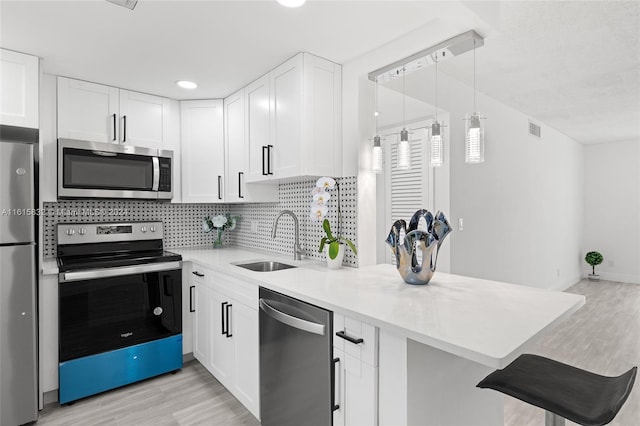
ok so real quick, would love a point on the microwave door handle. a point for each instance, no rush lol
(156, 173)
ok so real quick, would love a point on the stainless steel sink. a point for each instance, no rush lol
(266, 266)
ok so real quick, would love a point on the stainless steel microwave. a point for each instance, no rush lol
(103, 170)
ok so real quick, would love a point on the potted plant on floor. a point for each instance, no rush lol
(593, 258)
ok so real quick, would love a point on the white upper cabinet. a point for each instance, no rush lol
(18, 89)
(203, 173)
(236, 146)
(88, 111)
(258, 116)
(300, 111)
(99, 113)
(143, 118)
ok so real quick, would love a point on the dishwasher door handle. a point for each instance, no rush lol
(290, 320)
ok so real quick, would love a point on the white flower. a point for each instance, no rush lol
(317, 190)
(321, 198)
(318, 212)
(325, 182)
(219, 221)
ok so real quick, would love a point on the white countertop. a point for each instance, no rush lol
(485, 321)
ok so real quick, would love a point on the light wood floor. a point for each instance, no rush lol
(603, 337)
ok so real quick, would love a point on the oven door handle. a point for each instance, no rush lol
(65, 277)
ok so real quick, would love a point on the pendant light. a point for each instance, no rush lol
(474, 126)
(404, 147)
(376, 154)
(436, 152)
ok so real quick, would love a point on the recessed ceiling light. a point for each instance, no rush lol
(186, 84)
(291, 3)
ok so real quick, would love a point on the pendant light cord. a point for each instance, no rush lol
(376, 112)
(474, 76)
(404, 99)
(436, 87)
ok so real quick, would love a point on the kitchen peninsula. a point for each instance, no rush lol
(434, 342)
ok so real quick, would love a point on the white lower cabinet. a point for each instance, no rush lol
(356, 372)
(225, 335)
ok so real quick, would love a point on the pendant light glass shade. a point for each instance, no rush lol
(404, 151)
(474, 127)
(376, 155)
(474, 140)
(436, 150)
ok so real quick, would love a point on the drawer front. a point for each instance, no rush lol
(241, 291)
(353, 331)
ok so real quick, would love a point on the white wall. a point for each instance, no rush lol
(522, 208)
(612, 209)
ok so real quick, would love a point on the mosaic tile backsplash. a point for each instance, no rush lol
(183, 222)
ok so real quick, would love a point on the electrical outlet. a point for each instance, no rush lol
(254, 226)
(460, 224)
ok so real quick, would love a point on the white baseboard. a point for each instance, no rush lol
(613, 276)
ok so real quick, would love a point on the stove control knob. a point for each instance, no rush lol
(152, 229)
(70, 232)
(143, 229)
(82, 231)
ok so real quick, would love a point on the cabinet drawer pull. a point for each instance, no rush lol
(240, 175)
(124, 129)
(115, 137)
(191, 307)
(264, 148)
(219, 187)
(197, 274)
(227, 309)
(354, 340)
(334, 382)
(269, 172)
(222, 312)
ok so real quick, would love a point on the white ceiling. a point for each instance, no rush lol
(221, 45)
(573, 65)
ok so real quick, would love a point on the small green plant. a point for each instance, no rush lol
(593, 258)
(334, 241)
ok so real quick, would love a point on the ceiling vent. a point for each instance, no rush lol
(534, 129)
(129, 4)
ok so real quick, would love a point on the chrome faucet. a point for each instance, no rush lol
(297, 251)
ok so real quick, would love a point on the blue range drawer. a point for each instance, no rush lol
(93, 374)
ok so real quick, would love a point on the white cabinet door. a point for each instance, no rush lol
(234, 144)
(88, 111)
(202, 325)
(18, 89)
(202, 151)
(143, 119)
(258, 105)
(360, 392)
(223, 333)
(286, 128)
(247, 356)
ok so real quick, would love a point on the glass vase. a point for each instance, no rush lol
(217, 243)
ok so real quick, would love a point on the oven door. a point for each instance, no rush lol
(107, 309)
(102, 170)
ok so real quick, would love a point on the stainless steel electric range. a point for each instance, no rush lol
(120, 306)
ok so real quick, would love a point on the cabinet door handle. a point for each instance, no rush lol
(264, 148)
(114, 128)
(334, 382)
(354, 340)
(219, 187)
(222, 312)
(197, 274)
(240, 175)
(227, 309)
(124, 129)
(269, 172)
(191, 305)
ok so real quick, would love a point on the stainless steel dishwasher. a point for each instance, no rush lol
(296, 364)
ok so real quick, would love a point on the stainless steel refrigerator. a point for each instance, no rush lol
(18, 315)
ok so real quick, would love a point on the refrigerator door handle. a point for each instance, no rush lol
(290, 320)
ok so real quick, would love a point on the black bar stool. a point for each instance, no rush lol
(566, 392)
